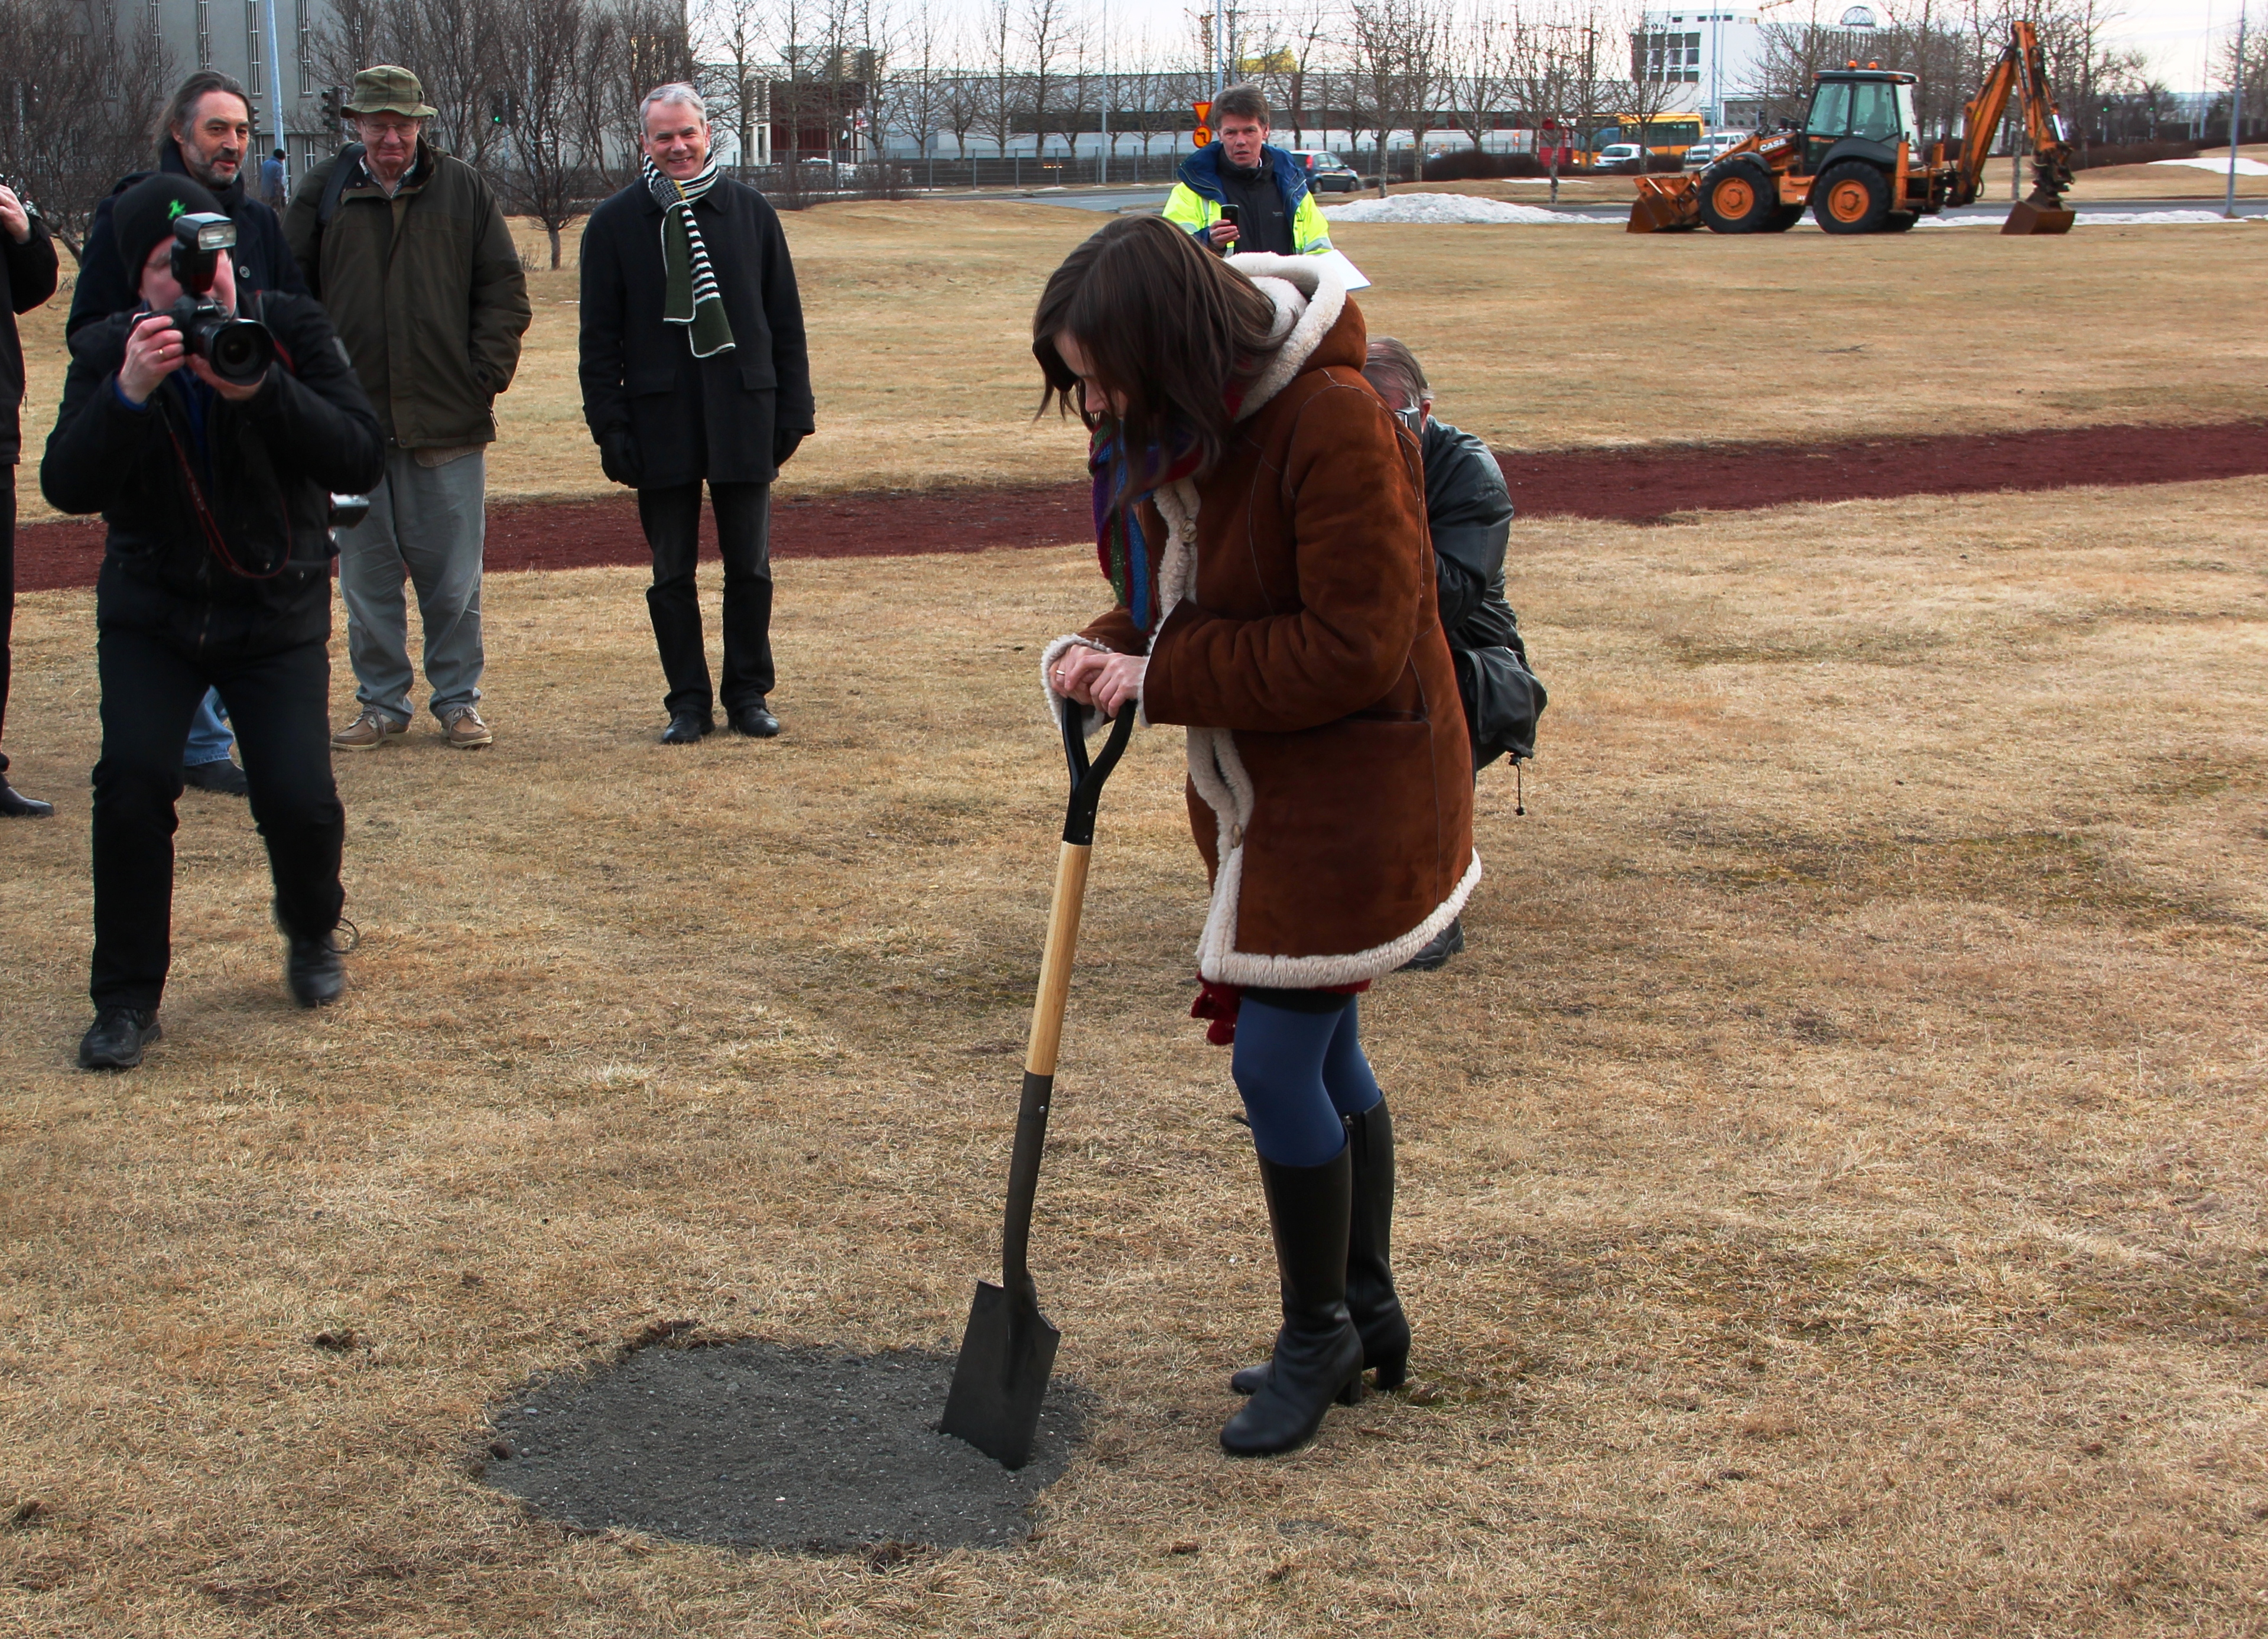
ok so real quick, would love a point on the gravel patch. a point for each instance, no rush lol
(768, 1445)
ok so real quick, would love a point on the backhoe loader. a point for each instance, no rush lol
(1854, 163)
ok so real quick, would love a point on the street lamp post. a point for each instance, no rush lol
(2235, 110)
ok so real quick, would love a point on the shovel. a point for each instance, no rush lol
(1010, 1348)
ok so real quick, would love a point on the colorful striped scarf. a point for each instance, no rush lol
(1120, 546)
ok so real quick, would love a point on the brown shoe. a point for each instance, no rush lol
(465, 730)
(368, 732)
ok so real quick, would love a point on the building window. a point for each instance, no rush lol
(254, 56)
(307, 53)
(204, 33)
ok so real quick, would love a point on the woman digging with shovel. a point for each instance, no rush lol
(1261, 516)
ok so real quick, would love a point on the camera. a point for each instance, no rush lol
(239, 351)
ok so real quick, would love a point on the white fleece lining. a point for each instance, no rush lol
(1309, 303)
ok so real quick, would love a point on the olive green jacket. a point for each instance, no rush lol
(426, 290)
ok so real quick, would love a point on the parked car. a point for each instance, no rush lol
(1712, 148)
(1621, 157)
(1327, 172)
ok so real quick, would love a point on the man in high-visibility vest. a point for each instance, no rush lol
(1276, 207)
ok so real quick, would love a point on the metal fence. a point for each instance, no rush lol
(816, 177)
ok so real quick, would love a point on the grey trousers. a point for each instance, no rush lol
(428, 524)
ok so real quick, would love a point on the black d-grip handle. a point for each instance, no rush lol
(1086, 778)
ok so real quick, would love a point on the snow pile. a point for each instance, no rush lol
(2095, 218)
(1439, 210)
(2244, 167)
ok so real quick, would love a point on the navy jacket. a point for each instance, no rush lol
(263, 262)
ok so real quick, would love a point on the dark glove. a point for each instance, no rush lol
(618, 457)
(785, 440)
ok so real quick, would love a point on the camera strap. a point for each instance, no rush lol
(209, 525)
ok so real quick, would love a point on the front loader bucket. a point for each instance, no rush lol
(1670, 206)
(2026, 217)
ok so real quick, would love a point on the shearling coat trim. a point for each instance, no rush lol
(1308, 302)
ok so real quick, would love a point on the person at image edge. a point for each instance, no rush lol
(693, 368)
(28, 277)
(1261, 516)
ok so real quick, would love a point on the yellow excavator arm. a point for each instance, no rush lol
(2022, 73)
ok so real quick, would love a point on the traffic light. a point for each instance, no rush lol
(335, 99)
(503, 111)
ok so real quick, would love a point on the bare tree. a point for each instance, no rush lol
(1003, 81)
(1477, 68)
(1397, 52)
(916, 101)
(1046, 27)
(741, 99)
(1542, 76)
(80, 99)
(553, 71)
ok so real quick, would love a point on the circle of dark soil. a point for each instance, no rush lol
(1641, 484)
(769, 1445)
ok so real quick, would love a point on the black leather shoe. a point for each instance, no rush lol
(221, 776)
(1318, 1353)
(1439, 949)
(313, 970)
(1372, 1304)
(687, 729)
(15, 805)
(756, 721)
(114, 1041)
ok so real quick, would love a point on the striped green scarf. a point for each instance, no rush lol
(689, 294)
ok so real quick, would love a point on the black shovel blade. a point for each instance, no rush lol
(1002, 1375)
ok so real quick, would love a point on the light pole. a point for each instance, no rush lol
(275, 94)
(2235, 109)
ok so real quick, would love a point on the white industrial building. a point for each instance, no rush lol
(1713, 55)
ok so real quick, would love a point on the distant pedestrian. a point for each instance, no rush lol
(409, 249)
(205, 134)
(1274, 200)
(273, 191)
(693, 368)
(28, 277)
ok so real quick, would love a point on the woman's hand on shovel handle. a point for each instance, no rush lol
(1105, 682)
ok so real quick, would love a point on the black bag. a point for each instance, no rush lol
(1502, 699)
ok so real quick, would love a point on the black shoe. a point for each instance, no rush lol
(1372, 1304)
(314, 970)
(1439, 949)
(221, 776)
(1318, 1353)
(756, 721)
(114, 1041)
(15, 805)
(687, 729)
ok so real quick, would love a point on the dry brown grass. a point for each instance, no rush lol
(920, 317)
(1834, 1188)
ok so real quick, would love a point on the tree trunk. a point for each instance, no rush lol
(553, 233)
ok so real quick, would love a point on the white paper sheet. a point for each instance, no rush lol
(1344, 271)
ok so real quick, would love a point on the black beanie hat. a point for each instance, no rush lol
(145, 215)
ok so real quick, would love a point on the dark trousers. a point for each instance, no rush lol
(672, 518)
(280, 706)
(7, 593)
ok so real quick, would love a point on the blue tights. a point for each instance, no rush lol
(1299, 1072)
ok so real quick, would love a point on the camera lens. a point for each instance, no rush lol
(239, 351)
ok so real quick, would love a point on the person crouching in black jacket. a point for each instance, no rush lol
(216, 574)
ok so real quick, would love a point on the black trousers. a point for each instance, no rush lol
(280, 706)
(7, 595)
(672, 518)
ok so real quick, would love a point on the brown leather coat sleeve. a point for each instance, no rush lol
(1356, 516)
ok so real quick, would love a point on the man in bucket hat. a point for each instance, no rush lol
(408, 248)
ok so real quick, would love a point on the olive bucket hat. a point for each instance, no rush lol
(387, 89)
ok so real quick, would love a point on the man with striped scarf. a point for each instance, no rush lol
(693, 369)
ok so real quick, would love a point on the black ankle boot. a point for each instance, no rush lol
(1371, 1302)
(1318, 1353)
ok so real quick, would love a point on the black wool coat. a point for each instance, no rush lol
(693, 418)
(28, 277)
(265, 469)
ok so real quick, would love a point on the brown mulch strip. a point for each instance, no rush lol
(1636, 485)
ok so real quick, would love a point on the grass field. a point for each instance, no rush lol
(920, 317)
(1833, 1179)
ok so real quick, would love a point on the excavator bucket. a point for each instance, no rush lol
(2026, 217)
(1665, 205)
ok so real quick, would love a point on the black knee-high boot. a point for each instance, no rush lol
(1372, 1301)
(1318, 1353)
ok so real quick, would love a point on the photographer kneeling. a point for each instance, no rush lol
(211, 452)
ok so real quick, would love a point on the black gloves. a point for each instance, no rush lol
(618, 457)
(784, 441)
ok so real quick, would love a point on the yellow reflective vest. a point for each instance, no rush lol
(1194, 204)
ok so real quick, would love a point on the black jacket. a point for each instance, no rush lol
(266, 469)
(28, 277)
(1468, 512)
(693, 418)
(263, 262)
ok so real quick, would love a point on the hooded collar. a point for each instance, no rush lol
(1201, 172)
(1309, 303)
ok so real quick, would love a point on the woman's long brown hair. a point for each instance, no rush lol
(1165, 325)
